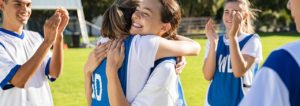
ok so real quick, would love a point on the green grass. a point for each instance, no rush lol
(69, 90)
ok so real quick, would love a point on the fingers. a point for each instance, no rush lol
(101, 48)
(119, 45)
(64, 14)
(179, 67)
(113, 45)
(181, 62)
(122, 49)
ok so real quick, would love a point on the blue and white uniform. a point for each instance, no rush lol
(140, 54)
(277, 83)
(163, 87)
(225, 89)
(15, 50)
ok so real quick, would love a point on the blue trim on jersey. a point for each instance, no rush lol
(122, 73)
(288, 70)
(8, 86)
(47, 71)
(181, 94)
(99, 78)
(159, 61)
(225, 89)
(12, 33)
(2, 45)
(179, 88)
(10, 75)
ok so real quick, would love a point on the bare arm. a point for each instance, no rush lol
(115, 58)
(88, 88)
(28, 69)
(183, 47)
(56, 64)
(94, 60)
(210, 61)
(240, 63)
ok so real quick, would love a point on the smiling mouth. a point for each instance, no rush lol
(136, 25)
(228, 21)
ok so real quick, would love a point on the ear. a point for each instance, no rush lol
(165, 27)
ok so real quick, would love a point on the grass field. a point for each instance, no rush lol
(69, 90)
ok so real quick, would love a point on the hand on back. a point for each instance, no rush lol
(96, 57)
(115, 55)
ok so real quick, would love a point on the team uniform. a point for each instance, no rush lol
(277, 83)
(140, 54)
(15, 50)
(163, 87)
(225, 89)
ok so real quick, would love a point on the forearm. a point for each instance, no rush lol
(30, 67)
(210, 63)
(237, 61)
(56, 64)
(196, 47)
(171, 48)
(88, 88)
(115, 92)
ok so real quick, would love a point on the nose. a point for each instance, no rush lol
(231, 14)
(24, 8)
(135, 15)
(289, 5)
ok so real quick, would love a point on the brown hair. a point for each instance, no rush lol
(117, 19)
(170, 13)
(248, 26)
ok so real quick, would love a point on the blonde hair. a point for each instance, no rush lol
(248, 26)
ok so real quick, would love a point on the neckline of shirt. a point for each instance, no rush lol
(12, 33)
(240, 38)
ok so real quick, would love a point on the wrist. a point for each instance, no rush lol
(48, 42)
(213, 45)
(59, 40)
(111, 68)
(111, 72)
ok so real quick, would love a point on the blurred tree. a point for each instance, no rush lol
(93, 8)
(274, 9)
(274, 14)
(197, 8)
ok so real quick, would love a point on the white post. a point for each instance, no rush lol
(83, 27)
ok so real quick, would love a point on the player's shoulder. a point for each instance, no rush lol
(284, 56)
(145, 40)
(145, 37)
(293, 50)
(33, 34)
(166, 64)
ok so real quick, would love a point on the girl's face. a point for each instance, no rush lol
(147, 18)
(228, 10)
(295, 10)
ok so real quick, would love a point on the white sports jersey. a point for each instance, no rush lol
(277, 83)
(141, 59)
(15, 50)
(161, 88)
